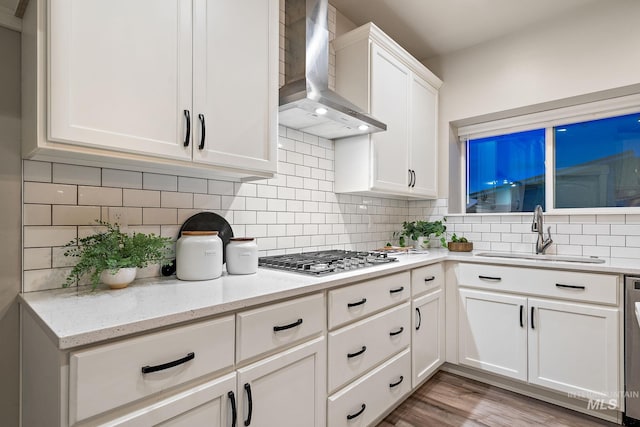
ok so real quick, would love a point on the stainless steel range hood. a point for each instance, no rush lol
(306, 102)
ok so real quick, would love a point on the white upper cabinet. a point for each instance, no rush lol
(378, 75)
(187, 84)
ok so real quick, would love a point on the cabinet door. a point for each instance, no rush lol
(120, 75)
(492, 332)
(427, 343)
(208, 404)
(236, 83)
(423, 154)
(574, 348)
(390, 103)
(285, 390)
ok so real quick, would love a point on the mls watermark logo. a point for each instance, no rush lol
(610, 402)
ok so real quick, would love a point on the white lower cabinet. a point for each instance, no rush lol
(363, 401)
(287, 389)
(569, 347)
(428, 335)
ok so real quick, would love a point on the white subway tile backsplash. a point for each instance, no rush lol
(192, 185)
(99, 196)
(625, 230)
(36, 171)
(141, 198)
(75, 215)
(42, 236)
(58, 194)
(37, 258)
(618, 252)
(154, 181)
(121, 178)
(81, 175)
(222, 188)
(39, 280)
(206, 201)
(232, 203)
(159, 216)
(37, 214)
(170, 199)
(58, 259)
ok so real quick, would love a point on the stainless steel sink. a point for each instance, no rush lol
(582, 259)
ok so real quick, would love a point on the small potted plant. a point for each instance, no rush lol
(419, 231)
(458, 244)
(113, 257)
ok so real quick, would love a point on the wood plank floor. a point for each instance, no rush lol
(451, 400)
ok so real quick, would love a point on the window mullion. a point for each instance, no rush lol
(549, 166)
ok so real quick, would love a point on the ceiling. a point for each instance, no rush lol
(428, 28)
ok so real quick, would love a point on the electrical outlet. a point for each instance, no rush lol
(118, 216)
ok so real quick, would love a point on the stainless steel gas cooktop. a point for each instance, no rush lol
(324, 262)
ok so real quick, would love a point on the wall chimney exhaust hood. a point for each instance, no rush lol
(306, 102)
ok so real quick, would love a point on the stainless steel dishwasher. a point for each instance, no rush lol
(631, 351)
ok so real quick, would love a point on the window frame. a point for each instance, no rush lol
(548, 120)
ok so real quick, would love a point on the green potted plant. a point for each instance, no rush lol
(458, 244)
(113, 257)
(419, 231)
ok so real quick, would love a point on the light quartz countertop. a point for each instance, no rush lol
(79, 316)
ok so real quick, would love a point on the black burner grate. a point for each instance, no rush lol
(324, 262)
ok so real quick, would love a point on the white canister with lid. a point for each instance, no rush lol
(199, 255)
(242, 255)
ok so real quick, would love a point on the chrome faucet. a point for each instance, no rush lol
(537, 227)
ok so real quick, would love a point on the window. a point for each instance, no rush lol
(566, 159)
(597, 163)
(505, 173)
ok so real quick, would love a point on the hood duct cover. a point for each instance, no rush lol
(306, 102)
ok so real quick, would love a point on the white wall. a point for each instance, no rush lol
(593, 50)
(10, 221)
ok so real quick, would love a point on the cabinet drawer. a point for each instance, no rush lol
(356, 348)
(277, 325)
(571, 285)
(426, 278)
(359, 300)
(371, 395)
(110, 375)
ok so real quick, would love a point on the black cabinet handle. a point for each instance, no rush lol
(188, 135)
(560, 285)
(204, 129)
(419, 318)
(247, 389)
(533, 326)
(410, 178)
(289, 326)
(357, 414)
(430, 279)
(396, 290)
(495, 279)
(234, 410)
(414, 178)
(398, 332)
(149, 369)
(355, 304)
(397, 383)
(357, 353)
(521, 319)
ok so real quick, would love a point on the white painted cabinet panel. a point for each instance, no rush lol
(573, 348)
(285, 390)
(492, 332)
(428, 335)
(382, 78)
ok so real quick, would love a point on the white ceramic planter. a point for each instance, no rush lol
(120, 279)
(420, 243)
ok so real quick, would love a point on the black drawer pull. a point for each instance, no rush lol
(355, 304)
(521, 320)
(560, 285)
(149, 369)
(533, 326)
(397, 383)
(247, 389)
(187, 137)
(234, 410)
(495, 279)
(357, 414)
(357, 353)
(430, 279)
(419, 318)
(396, 290)
(289, 326)
(204, 130)
(398, 332)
